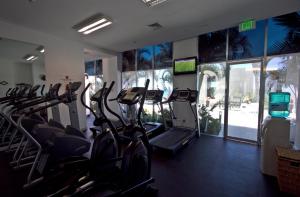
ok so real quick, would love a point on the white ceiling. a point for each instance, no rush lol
(180, 18)
(16, 50)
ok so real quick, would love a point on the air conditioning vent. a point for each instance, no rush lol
(155, 26)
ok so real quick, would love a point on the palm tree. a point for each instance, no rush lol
(143, 62)
(212, 46)
(128, 62)
(291, 43)
(164, 57)
(239, 45)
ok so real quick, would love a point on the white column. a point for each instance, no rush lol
(297, 136)
(112, 73)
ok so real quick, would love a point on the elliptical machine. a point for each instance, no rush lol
(134, 175)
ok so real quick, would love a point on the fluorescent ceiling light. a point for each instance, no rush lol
(30, 58)
(98, 27)
(152, 3)
(41, 49)
(92, 25)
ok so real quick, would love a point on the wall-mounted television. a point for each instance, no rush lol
(185, 66)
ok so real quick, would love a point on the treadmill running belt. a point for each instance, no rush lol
(173, 138)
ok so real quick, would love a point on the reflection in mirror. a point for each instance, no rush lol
(20, 62)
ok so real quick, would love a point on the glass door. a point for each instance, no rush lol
(243, 101)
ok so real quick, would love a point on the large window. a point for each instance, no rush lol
(94, 76)
(211, 86)
(283, 34)
(247, 44)
(145, 58)
(154, 63)
(212, 47)
(128, 61)
(282, 75)
(128, 79)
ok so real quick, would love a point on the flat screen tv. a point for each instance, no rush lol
(185, 66)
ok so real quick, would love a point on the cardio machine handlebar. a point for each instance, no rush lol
(82, 100)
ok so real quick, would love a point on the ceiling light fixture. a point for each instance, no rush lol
(98, 27)
(151, 3)
(92, 24)
(41, 49)
(30, 57)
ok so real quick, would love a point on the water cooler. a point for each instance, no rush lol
(275, 131)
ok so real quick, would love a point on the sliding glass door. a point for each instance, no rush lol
(243, 100)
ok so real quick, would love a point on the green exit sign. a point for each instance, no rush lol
(247, 25)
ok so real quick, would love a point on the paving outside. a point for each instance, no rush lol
(242, 121)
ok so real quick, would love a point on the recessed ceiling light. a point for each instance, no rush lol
(98, 27)
(92, 24)
(41, 49)
(30, 57)
(152, 3)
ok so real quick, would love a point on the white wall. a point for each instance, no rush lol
(112, 73)
(183, 49)
(62, 57)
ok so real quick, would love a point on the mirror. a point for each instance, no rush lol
(20, 62)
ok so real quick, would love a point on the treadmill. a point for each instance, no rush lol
(154, 97)
(176, 138)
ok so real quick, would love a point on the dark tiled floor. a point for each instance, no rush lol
(213, 167)
(207, 167)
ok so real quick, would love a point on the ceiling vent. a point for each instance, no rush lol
(151, 3)
(155, 26)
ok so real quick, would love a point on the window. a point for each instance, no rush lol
(142, 76)
(211, 86)
(128, 79)
(163, 80)
(90, 68)
(247, 44)
(282, 75)
(163, 55)
(283, 34)
(94, 76)
(212, 46)
(145, 58)
(159, 57)
(128, 61)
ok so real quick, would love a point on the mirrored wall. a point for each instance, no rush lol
(20, 63)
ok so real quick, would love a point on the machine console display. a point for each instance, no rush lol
(154, 95)
(74, 86)
(130, 96)
(97, 95)
(183, 94)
